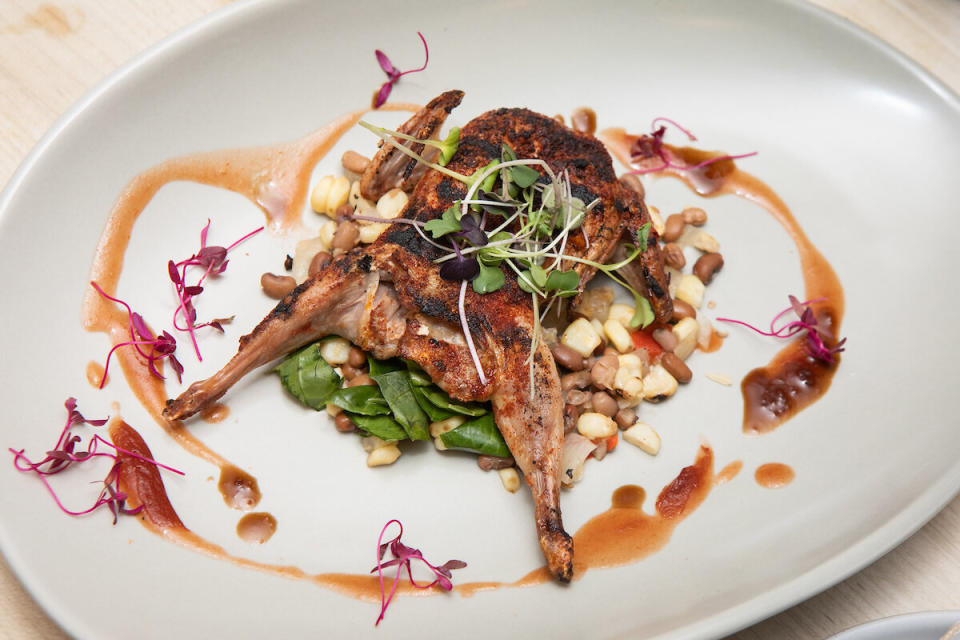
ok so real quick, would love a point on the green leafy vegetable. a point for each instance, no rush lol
(378, 367)
(308, 377)
(435, 413)
(364, 399)
(398, 392)
(418, 377)
(384, 427)
(479, 435)
(440, 399)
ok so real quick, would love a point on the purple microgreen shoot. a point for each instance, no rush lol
(461, 267)
(213, 261)
(66, 453)
(650, 146)
(402, 558)
(394, 74)
(160, 347)
(817, 336)
(472, 231)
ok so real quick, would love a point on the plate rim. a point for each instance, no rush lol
(833, 570)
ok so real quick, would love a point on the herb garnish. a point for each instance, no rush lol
(537, 213)
(394, 74)
(162, 346)
(402, 556)
(66, 453)
(649, 146)
(817, 335)
(213, 260)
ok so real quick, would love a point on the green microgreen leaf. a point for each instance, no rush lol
(507, 153)
(490, 279)
(539, 275)
(562, 281)
(523, 176)
(447, 223)
(643, 314)
(643, 234)
(449, 146)
(490, 180)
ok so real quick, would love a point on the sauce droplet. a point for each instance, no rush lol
(629, 496)
(239, 488)
(256, 528)
(95, 374)
(774, 475)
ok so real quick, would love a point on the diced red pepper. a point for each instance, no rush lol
(644, 340)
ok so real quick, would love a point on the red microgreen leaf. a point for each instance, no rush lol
(63, 456)
(402, 558)
(817, 336)
(393, 74)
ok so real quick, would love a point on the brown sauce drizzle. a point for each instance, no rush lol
(256, 528)
(730, 472)
(793, 380)
(276, 179)
(238, 488)
(624, 533)
(95, 374)
(774, 475)
(216, 412)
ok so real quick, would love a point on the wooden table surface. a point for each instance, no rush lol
(50, 54)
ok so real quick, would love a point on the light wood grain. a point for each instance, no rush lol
(51, 54)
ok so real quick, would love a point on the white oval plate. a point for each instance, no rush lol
(856, 139)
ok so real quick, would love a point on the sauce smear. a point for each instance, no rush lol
(774, 475)
(793, 380)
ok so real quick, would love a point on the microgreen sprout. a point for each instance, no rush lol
(213, 260)
(394, 74)
(539, 213)
(160, 347)
(402, 557)
(649, 146)
(817, 335)
(66, 453)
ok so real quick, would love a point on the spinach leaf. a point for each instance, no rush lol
(365, 399)
(479, 435)
(398, 392)
(418, 377)
(383, 366)
(384, 427)
(441, 400)
(435, 413)
(308, 377)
